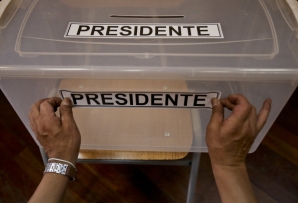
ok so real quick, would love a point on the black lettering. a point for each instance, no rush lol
(174, 102)
(188, 29)
(195, 102)
(130, 99)
(109, 29)
(142, 30)
(104, 98)
(126, 29)
(171, 30)
(97, 29)
(199, 28)
(136, 31)
(92, 97)
(186, 98)
(138, 99)
(157, 31)
(83, 30)
(121, 98)
(76, 97)
(153, 99)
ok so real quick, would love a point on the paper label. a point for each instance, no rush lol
(103, 30)
(141, 99)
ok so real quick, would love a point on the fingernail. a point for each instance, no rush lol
(214, 102)
(66, 101)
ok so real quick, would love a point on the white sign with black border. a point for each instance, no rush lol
(141, 99)
(132, 30)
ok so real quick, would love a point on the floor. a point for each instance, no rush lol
(273, 169)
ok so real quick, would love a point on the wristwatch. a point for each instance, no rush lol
(61, 168)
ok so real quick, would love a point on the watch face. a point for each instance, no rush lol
(57, 168)
(61, 168)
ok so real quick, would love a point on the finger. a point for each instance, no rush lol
(263, 114)
(48, 121)
(33, 128)
(32, 123)
(253, 121)
(252, 133)
(240, 107)
(217, 114)
(35, 110)
(226, 103)
(49, 106)
(66, 112)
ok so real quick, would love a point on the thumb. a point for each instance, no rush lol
(217, 114)
(66, 111)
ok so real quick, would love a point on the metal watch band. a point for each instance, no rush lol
(61, 168)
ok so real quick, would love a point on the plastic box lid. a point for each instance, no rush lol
(258, 39)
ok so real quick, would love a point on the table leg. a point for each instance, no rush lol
(193, 177)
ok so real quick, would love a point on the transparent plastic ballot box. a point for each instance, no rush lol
(118, 48)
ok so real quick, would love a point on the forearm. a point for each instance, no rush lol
(51, 189)
(61, 139)
(233, 184)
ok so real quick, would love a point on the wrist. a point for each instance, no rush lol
(226, 159)
(56, 176)
(233, 183)
(219, 169)
(62, 167)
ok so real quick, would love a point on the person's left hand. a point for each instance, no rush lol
(59, 136)
(230, 139)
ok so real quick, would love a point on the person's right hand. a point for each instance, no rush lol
(59, 136)
(230, 139)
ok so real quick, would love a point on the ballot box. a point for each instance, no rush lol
(141, 73)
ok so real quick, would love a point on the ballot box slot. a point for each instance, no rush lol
(146, 16)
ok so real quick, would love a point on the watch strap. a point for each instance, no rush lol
(62, 168)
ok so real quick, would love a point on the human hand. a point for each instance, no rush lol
(230, 139)
(59, 136)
